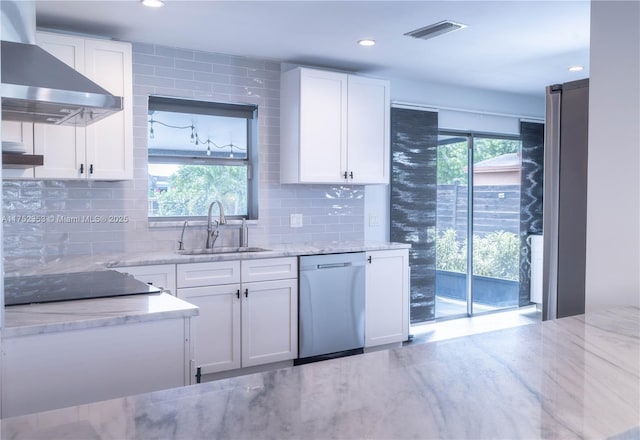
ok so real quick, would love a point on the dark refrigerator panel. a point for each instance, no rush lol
(565, 199)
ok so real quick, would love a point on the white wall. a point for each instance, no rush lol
(613, 194)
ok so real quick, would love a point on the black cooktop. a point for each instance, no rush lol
(72, 286)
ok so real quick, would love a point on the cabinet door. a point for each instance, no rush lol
(217, 327)
(269, 322)
(63, 147)
(387, 297)
(16, 131)
(323, 126)
(159, 275)
(368, 130)
(109, 142)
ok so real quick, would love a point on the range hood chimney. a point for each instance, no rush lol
(38, 87)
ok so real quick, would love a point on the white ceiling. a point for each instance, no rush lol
(513, 46)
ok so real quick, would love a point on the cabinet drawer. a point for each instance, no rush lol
(208, 274)
(269, 269)
(159, 275)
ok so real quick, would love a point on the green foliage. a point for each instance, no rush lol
(451, 254)
(452, 158)
(193, 187)
(496, 255)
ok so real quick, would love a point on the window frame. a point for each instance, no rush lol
(212, 108)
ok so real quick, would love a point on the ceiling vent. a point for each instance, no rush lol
(433, 30)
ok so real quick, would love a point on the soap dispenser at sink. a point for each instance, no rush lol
(244, 235)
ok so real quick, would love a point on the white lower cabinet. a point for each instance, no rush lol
(159, 275)
(217, 326)
(269, 322)
(54, 370)
(387, 297)
(248, 317)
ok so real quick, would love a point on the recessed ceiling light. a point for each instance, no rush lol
(153, 3)
(576, 69)
(367, 42)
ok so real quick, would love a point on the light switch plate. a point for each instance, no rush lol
(295, 220)
(373, 220)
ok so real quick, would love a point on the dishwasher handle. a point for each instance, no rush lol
(342, 261)
(332, 265)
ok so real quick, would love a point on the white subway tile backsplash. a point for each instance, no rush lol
(231, 70)
(173, 52)
(214, 58)
(193, 85)
(142, 69)
(331, 212)
(154, 81)
(216, 78)
(193, 66)
(144, 48)
(169, 72)
(152, 60)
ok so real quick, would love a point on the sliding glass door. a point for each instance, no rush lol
(477, 223)
(452, 215)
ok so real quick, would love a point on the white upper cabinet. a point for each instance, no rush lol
(110, 140)
(104, 149)
(323, 126)
(63, 147)
(334, 128)
(15, 131)
(368, 130)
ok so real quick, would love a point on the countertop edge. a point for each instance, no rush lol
(85, 263)
(294, 250)
(182, 310)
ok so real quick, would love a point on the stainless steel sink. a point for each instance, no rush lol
(221, 250)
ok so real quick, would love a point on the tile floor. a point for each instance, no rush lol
(447, 307)
(454, 328)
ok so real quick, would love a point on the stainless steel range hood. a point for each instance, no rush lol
(38, 87)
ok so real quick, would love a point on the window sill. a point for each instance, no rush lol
(178, 223)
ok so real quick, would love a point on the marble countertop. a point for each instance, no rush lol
(576, 377)
(285, 250)
(84, 263)
(70, 315)
(50, 317)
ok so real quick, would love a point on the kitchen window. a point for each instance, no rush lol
(200, 152)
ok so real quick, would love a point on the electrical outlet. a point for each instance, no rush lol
(295, 220)
(373, 221)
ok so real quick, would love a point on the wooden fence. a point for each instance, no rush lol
(495, 208)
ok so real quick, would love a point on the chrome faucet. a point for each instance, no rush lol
(212, 234)
(181, 241)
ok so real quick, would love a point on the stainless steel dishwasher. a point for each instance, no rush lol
(331, 306)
